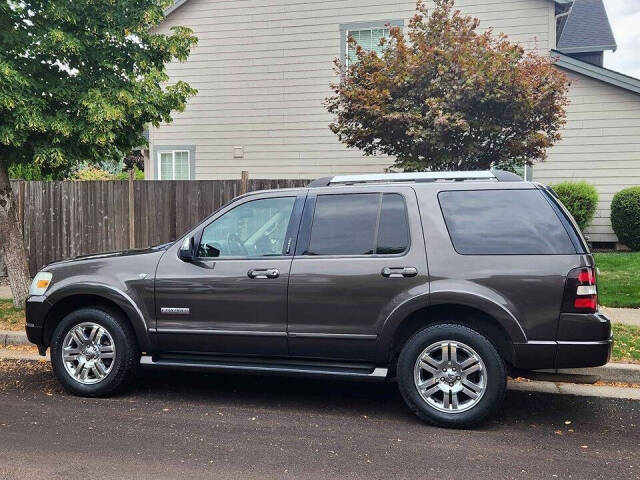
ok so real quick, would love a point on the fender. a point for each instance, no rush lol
(115, 295)
(483, 301)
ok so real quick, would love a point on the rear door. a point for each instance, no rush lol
(359, 252)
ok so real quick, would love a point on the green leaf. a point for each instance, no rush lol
(80, 80)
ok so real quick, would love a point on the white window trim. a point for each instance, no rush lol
(173, 163)
(352, 27)
(348, 32)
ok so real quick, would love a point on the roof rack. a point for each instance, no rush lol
(486, 175)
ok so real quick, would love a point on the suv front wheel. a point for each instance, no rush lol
(451, 376)
(94, 352)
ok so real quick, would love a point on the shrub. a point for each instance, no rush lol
(92, 173)
(580, 198)
(27, 171)
(124, 175)
(625, 216)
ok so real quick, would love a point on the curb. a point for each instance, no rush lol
(611, 372)
(576, 389)
(8, 337)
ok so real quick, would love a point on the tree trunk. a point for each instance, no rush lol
(13, 251)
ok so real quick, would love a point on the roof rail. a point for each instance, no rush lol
(495, 175)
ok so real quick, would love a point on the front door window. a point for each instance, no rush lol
(254, 229)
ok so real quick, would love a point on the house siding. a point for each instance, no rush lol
(263, 70)
(600, 144)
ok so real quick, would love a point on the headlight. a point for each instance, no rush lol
(40, 283)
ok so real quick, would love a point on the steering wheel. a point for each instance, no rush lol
(235, 245)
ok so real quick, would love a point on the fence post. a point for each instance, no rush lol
(132, 210)
(21, 206)
(244, 182)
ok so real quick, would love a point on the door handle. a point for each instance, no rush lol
(397, 272)
(263, 273)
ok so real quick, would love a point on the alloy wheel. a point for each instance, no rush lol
(450, 376)
(88, 353)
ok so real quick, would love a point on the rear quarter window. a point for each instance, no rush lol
(503, 222)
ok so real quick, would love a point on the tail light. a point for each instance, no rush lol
(580, 292)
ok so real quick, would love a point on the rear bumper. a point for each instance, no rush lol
(584, 340)
(583, 354)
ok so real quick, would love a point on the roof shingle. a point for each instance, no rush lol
(587, 29)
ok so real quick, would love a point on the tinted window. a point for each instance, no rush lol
(344, 224)
(253, 229)
(516, 222)
(393, 231)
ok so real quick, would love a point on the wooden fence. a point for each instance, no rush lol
(69, 218)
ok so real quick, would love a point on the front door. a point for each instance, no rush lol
(360, 254)
(232, 297)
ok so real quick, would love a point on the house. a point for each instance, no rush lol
(263, 69)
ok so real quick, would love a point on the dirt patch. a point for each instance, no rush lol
(23, 375)
(23, 348)
(601, 383)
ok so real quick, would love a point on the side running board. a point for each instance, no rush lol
(272, 367)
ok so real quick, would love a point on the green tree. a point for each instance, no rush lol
(78, 82)
(447, 97)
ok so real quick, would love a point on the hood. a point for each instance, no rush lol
(104, 256)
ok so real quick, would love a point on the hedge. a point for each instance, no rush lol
(625, 216)
(580, 198)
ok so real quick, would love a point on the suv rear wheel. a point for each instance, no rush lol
(450, 375)
(93, 352)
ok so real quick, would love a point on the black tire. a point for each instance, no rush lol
(127, 353)
(495, 384)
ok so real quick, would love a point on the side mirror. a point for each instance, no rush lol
(187, 250)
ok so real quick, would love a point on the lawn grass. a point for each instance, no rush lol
(619, 279)
(11, 318)
(626, 343)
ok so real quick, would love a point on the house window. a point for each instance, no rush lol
(365, 34)
(368, 39)
(174, 165)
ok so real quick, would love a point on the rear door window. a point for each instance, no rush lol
(503, 222)
(359, 224)
(393, 230)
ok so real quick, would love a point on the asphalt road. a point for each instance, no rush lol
(182, 425)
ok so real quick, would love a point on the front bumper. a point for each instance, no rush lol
(584, 340)
(36, 309)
